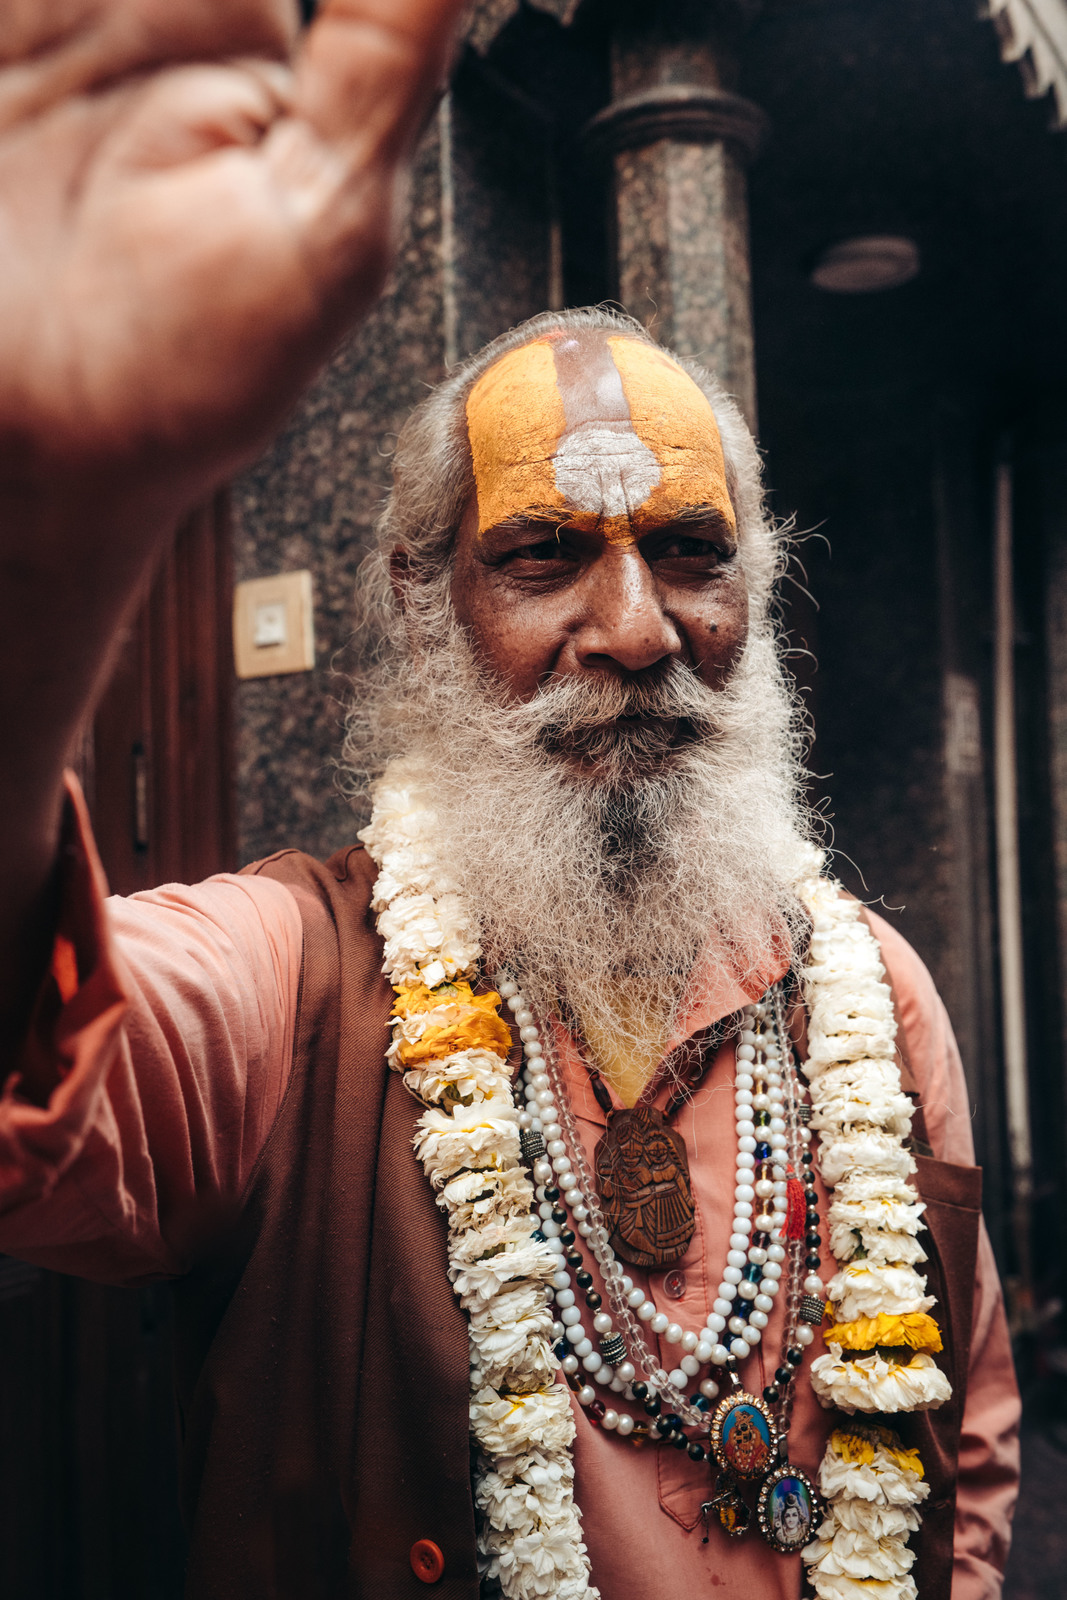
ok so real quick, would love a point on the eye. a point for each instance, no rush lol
(688, 549)
(544, 550)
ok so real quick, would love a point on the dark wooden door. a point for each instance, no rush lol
(158, 765)
(88, 1455)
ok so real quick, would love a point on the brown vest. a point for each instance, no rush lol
(322, 1355)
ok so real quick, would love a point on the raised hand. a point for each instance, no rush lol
(195, 200)
(193, 204)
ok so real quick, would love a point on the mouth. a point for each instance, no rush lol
(627, 745)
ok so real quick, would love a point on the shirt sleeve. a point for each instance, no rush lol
(155, 1063)
(989, 1439)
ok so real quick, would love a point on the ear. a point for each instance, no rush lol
(400, 575)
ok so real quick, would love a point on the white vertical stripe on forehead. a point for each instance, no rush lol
(605, 470)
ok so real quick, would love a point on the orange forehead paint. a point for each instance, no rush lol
(605, 429)
(514, 421)
(676, 420)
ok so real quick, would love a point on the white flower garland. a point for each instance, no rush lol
(878, 1299)
(452, 1048)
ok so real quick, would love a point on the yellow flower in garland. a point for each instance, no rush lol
(914, 1329)
(858, 1446)
(463, 1020)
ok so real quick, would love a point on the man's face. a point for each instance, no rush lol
(601, 537)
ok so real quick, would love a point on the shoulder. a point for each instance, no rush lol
(342, 949)
(928, 1044)
(916, 1000)
(349, 872)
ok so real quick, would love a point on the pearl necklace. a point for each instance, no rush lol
(770, 1136)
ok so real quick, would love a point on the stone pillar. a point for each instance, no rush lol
(680, 139)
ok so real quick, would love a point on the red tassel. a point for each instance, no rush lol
(795, 1217)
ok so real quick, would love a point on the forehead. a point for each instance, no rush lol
(601, 426)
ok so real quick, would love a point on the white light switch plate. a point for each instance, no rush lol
(273, 629)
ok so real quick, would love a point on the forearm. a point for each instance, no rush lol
(152, 1069)
(195, 202)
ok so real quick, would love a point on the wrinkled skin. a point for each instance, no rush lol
(195, 201)
(551, 594)
(542, 607)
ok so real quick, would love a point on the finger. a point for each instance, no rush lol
(184, 114)
(370, 70)
(69, 46)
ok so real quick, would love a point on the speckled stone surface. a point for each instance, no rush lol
(683, 255)
(313, 499)
(499, 175)
(311, 502)
(682, 221)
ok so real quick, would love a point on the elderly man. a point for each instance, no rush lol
(686, 1275)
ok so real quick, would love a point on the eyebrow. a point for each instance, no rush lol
(708, 517)
(539, 522)
(706, 514)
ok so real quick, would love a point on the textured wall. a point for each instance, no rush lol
(473, 260)
(312, 502)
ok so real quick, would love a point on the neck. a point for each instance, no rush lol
(628, 1056)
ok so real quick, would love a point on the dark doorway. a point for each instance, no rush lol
(88, 1451)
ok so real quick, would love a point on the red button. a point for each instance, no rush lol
(427, 1562)
(674, 1285)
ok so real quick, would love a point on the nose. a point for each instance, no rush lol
(623, 622)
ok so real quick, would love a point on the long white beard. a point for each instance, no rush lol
(603, 857)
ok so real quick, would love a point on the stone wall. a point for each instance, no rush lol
(473, 261)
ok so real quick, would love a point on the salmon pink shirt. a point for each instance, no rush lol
(152, 1080)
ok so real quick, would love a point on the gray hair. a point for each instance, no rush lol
(433, 480)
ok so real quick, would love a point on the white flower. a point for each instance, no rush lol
(830, 1587)
(486, 1196)
(545, 1563)
(852, 1005)
(866, 1039)
(880, 1522)
(515, 1302)
(419, 930)
(479, 1281)
(881, 1482)
(861, 1091)
(469, 1073)
(867, 1149)
(866, 1288)
(856, 1553)
(493, 1240)
(846, 1237)
(479, 1135)
(409, 868)
(859, 1185)
(518, 1493)
(510, 1424)
(870, 1383)
(519, 1356)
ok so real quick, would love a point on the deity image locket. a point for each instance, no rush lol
(747, 1447)
(642, 1173)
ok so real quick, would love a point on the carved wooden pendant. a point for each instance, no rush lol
(643, 1176)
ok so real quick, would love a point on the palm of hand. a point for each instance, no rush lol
(189, 221)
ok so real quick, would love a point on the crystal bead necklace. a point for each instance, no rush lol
(772, 1141)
